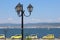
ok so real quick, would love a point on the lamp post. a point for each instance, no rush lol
(5, 31)
(20, 13)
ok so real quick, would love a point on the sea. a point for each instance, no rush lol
(40, 32)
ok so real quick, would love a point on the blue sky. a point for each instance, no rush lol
(43, 11)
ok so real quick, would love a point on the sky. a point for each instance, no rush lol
(44, 11)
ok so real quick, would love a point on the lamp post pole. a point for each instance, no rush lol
(5, 31)
(20, 13)
(22, 24)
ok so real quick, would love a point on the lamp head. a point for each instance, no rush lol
(30, 8)
(18, 8)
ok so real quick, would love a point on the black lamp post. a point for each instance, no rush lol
(5, 31)
(20, 13)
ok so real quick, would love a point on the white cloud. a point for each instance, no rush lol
(31, 20)
(9, 20)
(42, 20)
(12, 20)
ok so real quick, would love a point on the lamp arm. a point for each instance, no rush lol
(27, 15)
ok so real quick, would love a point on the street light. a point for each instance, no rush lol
(20, 13)
(5, 31)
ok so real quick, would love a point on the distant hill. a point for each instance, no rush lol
(31, 25)
(9, 24)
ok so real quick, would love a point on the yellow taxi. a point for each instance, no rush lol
(2, 36)
(49, 36)
(32, 36)
(17, 36)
